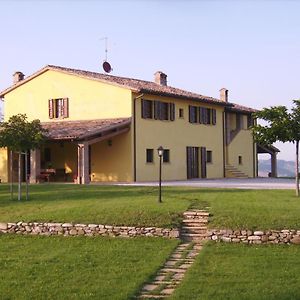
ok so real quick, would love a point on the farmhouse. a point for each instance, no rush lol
(107, 128)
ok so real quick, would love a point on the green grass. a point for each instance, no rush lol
(78, 268)
(236, 272)
(119, 205)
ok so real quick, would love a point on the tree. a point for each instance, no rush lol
(21, 136)
(282, 125)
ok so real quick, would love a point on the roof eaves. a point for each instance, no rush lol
(109, 127)
(174, 95)
(54, 68)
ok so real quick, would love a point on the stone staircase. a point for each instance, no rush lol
(233, 172)
(194, 226)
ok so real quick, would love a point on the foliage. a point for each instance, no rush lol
(283, 126)
(237, 272)
(78, 268)
(20, 135)
(136, 206)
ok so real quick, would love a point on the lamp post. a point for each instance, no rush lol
(160, 151)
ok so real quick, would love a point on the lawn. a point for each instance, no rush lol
(236, 272)
(78, 268)
(121, 205)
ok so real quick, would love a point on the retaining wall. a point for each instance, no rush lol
(285, 236)
(66, 229)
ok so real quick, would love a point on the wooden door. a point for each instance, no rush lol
(192, 159)
(203, 162)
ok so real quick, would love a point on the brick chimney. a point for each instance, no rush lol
(160, 78)
(18, 76)
(224, 95)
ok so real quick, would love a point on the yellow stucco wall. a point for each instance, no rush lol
(88, 99)
(112, 160)
(3, 165)
(242, 145)
(176, 136)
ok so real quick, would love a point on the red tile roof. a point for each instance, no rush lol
(79, 130)
(136, 85)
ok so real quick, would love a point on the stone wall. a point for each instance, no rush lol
(254, 237)
(68, 229)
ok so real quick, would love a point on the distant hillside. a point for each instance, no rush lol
(284, 168)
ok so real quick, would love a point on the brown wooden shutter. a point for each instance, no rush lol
(51, 108)
(190, 116)
(156, 110)
(208, 114)
(203, 162)
(172, 111)
(201, 120)
(214, 117)
(66, 108)
(143, 113)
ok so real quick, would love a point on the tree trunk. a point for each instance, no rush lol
(26, 173)
(297, 168)
(19, 177)
(11, 176)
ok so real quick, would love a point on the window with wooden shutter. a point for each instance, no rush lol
(58, 108)
(51, 108)
(172, 111)
(214, 117)
(66, 108)
(203, 162)
(193, 114)
(156, 110)
(149, 155)
(166, 156)
(147, 109)
(249, 121)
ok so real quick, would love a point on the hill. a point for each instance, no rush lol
(284, 168)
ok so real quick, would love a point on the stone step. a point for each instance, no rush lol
(196, 213)
(194, 235)
(193, 228)
(191, 221)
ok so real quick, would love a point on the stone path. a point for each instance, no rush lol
(173, 271)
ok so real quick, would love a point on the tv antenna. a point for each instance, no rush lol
(106, 65)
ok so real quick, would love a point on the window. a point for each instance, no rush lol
(209, 156)
(147, 109)
(193, 114)
(58, 108)
(249, 121)
(181, 113)
(158, 110)
(166, 156)
(240, 160)
(202, 115)
(149, 155)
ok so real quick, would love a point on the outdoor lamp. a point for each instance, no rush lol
(160, 151)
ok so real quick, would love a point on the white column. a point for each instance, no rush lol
(35, 165)
(83, 164)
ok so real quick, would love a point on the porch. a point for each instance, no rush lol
(83, 151)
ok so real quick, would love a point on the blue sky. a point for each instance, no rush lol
(250, 47)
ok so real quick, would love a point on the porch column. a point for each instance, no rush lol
(274, 164)
(83, 164)
(35, 165)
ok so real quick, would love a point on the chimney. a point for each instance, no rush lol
(224, 95)
(160, 78)
(18, 76)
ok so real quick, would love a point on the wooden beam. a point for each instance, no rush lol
(107, 136)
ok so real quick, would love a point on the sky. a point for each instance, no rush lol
(252, 48)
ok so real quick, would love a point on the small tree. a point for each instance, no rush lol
(283, 126)
(21, 136)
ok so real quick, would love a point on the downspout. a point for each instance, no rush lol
(134, 135)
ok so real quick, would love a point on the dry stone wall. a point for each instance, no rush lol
(254, 237)
(68, 229)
